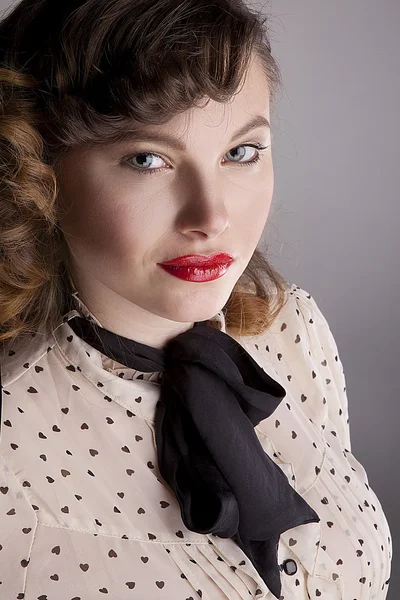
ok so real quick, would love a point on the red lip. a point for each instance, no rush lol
(199, 260)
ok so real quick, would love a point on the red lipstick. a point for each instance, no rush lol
(200, 260)
(198, 267)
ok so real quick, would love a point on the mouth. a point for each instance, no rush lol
(200, 261)
(197, 273)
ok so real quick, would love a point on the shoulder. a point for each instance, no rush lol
(303, 305)
(23, 356)
(310, 320)
(301, 327)
(299, 314)
(304, 302)
(297, 336)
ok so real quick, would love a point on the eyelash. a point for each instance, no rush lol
(152, 171)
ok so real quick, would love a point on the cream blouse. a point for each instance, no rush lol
(85, 513)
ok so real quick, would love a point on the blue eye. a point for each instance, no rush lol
(152, 171)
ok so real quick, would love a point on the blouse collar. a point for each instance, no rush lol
(118, 368)
(136, 391)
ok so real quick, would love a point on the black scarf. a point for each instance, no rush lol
(212, 395)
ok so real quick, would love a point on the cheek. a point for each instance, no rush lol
(136, 223)
(251, 220)
(107, 228)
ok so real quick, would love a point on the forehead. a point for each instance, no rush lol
(177, 143)
(249, 108)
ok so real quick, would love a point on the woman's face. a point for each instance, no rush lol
(125, 213)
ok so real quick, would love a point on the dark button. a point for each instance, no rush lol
(289, 566)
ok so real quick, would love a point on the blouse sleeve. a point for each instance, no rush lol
(323, 345)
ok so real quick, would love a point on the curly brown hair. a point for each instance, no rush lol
(78, 72)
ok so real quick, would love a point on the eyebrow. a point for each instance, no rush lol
(141, 135)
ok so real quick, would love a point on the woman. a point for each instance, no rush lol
(168, 431)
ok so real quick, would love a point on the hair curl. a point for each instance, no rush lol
(80, 72)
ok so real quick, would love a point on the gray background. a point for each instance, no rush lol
(334, 223)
